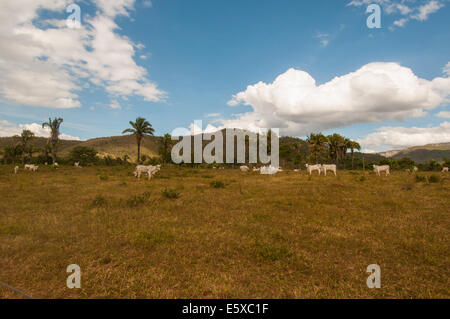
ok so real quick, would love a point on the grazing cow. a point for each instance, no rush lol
(311, 168)
(415, 169)
(444, 169)
(381, 168)
(150, 170)
(153, 170)
(296, 170)
(31, 167)
(268, 170)
(16, 169)
(329, 167)
(244, 168)
(77, 164)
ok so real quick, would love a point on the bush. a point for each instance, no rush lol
(99, 201)
(217, 184)
(138, 200)
(434, 179)
(103, 177)
(84, 155)
(170, 193)
(420, 178)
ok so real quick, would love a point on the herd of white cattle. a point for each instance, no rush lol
(151, 170)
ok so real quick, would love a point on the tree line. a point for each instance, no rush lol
(294, 152)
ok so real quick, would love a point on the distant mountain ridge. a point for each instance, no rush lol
(421, 154)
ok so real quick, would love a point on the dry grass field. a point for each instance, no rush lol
(203, 233)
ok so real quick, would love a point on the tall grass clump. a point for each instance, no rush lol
(170, 193)
(217, 184)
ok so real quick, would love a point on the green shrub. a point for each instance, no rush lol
(138, 200)
(420, 178)
(151, 239)
(99, 201)
(170, 193)
(434, 179)
(272, 253)
(217, 184)
(103, 177)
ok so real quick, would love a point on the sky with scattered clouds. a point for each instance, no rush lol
(301, 66)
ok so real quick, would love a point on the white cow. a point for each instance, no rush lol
(268, 170)
(31, 167)
(311, 168)
(244, 168)
(444, 169)
(329, 167)
(415, 169)
(16, 169)
(381, 168)
(150, 170)
(77, 164)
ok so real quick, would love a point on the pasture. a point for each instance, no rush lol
(204, 233)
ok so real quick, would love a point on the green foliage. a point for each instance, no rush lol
(99, 201)
(434, 179)
(151, 239)
(139, 128)
(138, 200)
(84, 155)
(103, 177)
(217, 184)
(420, 178)
(170, 193)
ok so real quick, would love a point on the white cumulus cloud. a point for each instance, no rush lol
(45, 63)
(10, 129)
(378, 91)
(444, 114)
(400, 137)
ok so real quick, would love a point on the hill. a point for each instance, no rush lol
(421, 154)
(118, 146)
(39, 142)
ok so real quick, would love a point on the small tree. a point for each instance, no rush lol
(25, 137)
(84, 155)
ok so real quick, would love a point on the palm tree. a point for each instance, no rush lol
(26, 136)
(166, 148)
(335, 145)
(346, 144)
(53, 125)
(139, 128)
(316, 143)
(354, 146)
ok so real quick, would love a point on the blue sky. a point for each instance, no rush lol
(189, 58)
